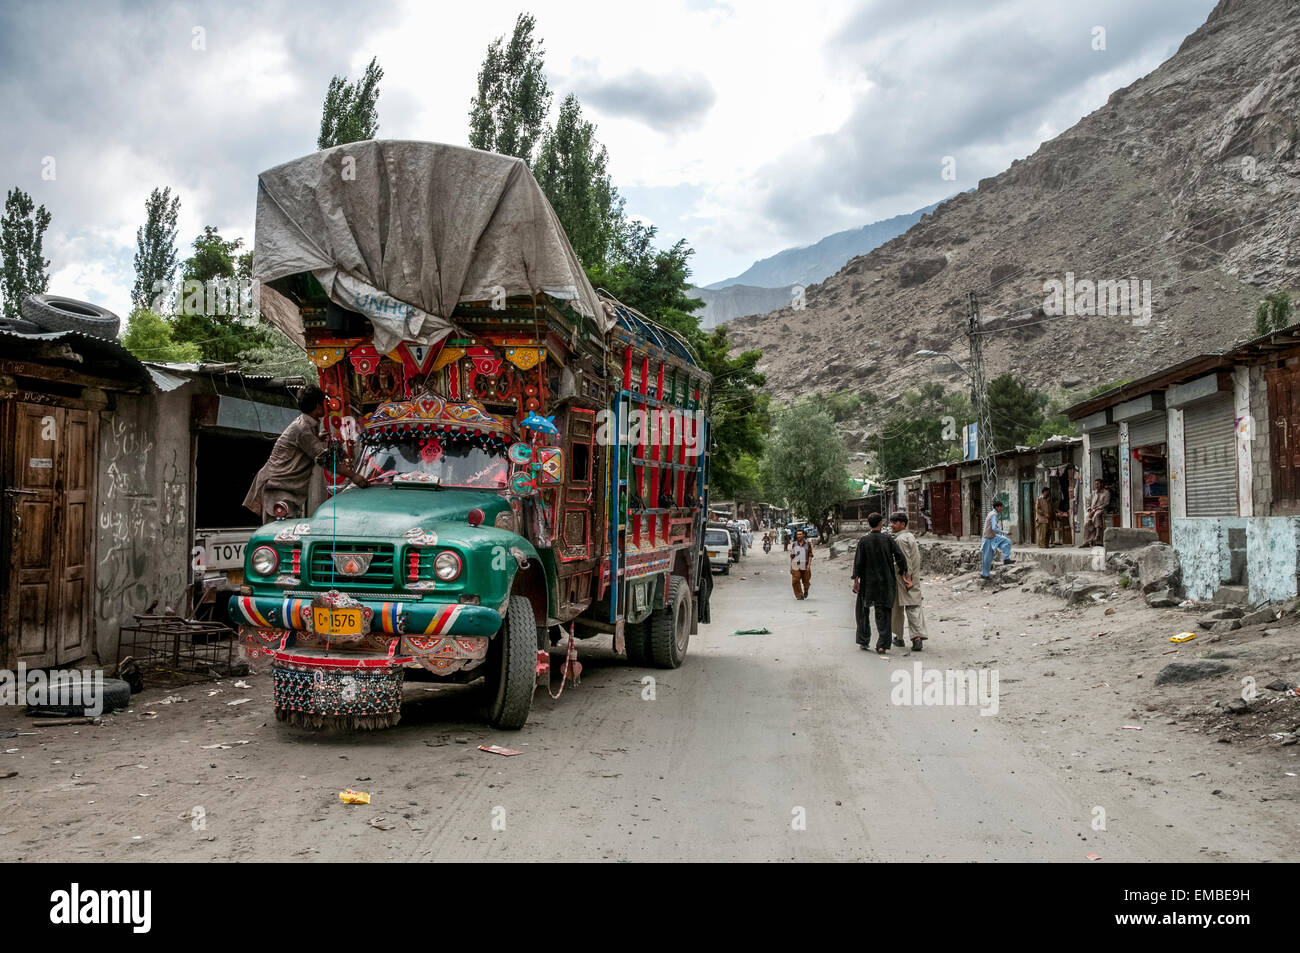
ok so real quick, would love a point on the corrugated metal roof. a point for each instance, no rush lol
(163, 381)
(90, 344)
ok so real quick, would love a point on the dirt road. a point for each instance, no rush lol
(762, 747)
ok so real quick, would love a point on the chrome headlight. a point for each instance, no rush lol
(446, 566)
(265, 560)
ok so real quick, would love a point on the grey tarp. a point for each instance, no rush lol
(403, 231)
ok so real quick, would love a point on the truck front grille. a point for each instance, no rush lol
(378, 574)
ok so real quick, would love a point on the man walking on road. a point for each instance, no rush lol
(874, 562)
(801, 555)
(1044, 518)
(995, 538)
(1095, 515)
(907, 595)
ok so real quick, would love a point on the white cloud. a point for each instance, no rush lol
(752, 126)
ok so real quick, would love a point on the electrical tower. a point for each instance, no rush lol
(979, 386)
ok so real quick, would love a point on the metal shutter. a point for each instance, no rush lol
(1103, 437)
(1146, 431)
(1210, 447)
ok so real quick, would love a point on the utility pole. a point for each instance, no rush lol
(979, 385)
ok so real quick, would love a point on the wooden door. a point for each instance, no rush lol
(579, 493)
(49, 492)
(1028, 514)
(939, 508)
(1284, 448)
(954, 507)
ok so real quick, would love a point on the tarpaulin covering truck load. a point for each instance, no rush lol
(535, 452)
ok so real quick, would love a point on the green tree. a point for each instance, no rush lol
(844, 405)
(149, 337)
(349, 112)
(572, 169)
(652, 280)
(1055, 422)
(207, 311)
(1103, 388)
(507, 114)
(739, 408)
(1017, 410)
(22, 237)
(155, 256)
(807, 462)
(1273, 313)
(922, 428)
(278, 356)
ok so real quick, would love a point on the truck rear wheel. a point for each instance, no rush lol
(512, 667)
(636, 642)
(669, 628)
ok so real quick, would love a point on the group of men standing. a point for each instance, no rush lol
(887, 581)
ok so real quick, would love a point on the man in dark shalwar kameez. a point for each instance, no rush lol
(874, 581)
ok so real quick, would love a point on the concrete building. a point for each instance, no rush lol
(953, 493)
(1202, 453)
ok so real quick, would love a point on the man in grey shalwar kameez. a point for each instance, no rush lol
(287, 475)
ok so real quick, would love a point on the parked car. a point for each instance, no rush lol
(717, 544)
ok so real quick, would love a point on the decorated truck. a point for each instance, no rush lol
(534, 452)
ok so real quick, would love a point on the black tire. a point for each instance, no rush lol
(512, 667)
(636, 643)
(19, 326)
(726, 570)
(116, 697)
(670, 627)
(55, 313)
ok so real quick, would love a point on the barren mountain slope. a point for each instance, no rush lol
(1188, 178)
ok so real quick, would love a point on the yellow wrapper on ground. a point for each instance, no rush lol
(354, 797)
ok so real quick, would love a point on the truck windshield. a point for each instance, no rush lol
(436, 460)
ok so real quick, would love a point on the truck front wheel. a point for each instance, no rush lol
(512, 667)
(669, 628)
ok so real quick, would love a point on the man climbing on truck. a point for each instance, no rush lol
(285, 480)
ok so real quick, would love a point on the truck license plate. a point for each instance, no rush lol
(328, 621)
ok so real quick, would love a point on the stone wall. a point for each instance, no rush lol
(1257, 552)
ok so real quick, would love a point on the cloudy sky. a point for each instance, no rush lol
(744, 127)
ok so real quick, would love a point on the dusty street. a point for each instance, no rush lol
(783, 746)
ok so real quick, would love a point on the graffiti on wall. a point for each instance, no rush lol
(143, 520)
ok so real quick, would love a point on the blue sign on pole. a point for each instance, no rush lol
(970, 440)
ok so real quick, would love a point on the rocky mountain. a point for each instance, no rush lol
(723, 304)
(813, 263)
(1188, 179)
(782, 273)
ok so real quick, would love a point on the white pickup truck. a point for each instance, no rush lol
(218, 560)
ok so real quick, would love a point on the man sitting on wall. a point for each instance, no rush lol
(1094, 518)
(287, 475)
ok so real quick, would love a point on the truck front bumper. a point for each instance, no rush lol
(409, 619)
(441, 637)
